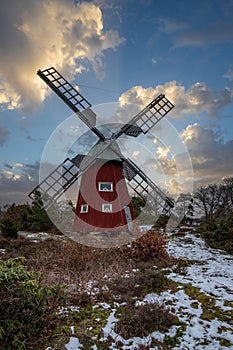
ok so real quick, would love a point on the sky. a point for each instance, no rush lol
(124, 52)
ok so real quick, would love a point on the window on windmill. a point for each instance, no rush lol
(105, 187)
(84, 208)
(107, 208)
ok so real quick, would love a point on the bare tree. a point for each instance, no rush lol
(183, 204)
(208, 199)
(227, 193)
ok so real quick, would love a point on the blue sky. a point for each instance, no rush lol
(116, 51)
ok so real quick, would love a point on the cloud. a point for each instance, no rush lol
(9, 175)
(168, 25)
(197, 99)
(176, 169)
(4, 133)
(167, 162)
(229, 74)
(17, 181)
(221, 31)
(39, 34)
(212, 158)
(154, 60)
(13, 166)
(30, 138)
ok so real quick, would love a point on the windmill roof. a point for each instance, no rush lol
(107, 153)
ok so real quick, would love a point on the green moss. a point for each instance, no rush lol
(224, 342)
(228, 303)
(175, 340)
(224, 329)
(181, 266)
(90, 317)
(195, 305)
(87, 322)
(209, 309)
(205, 342)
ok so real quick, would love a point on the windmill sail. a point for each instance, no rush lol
(152, 113)
(145, 120)
(143, 185)
(71, 97)
(56, 183)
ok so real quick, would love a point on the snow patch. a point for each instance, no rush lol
(74, 344)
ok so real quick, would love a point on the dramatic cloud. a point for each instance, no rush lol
(39, 34)
(176, 168)
(17, 181)
(4, 133)
(167, 162)
(212, 157)
(198, 99)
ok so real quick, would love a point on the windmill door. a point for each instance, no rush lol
(128, 217)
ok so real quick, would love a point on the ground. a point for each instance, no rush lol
(203, 302)
(181, 303)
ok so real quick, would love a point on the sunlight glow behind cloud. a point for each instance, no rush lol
(40, 34)
(199, 98)
(211, 156)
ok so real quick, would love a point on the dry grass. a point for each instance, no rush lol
(95, 275)
(143, 320)
(86, 270)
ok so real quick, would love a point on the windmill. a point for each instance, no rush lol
(105, 175)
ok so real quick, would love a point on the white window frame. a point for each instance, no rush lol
(105, 189)
(110, 208)
(82, 210)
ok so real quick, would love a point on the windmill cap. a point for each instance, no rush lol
(101, 152)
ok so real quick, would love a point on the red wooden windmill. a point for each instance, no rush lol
(103, 200)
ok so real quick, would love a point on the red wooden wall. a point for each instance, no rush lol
(95, 219)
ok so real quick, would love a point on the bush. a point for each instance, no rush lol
(151, 245)
(218, 234)
(8, 229)
(143, 320)
(27, 309)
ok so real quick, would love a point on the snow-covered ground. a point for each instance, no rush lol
(203, 301)
(214, 272)
(212, 275)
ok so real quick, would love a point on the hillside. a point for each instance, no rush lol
(176, 297)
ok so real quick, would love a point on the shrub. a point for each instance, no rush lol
(8, 229)
(138, 203)
(143, 320)
(151, 245)
(27, 309)
(218, 233)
